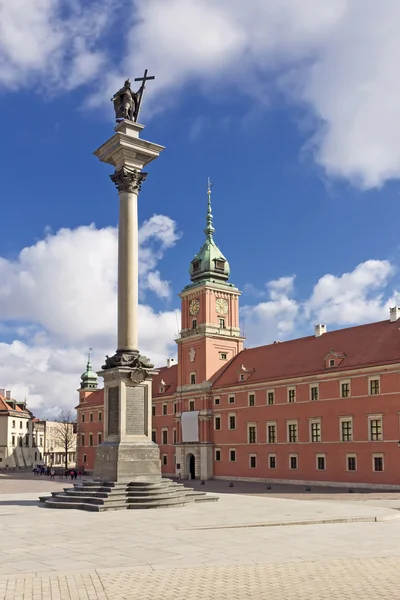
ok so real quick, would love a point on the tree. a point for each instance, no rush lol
(64, 435)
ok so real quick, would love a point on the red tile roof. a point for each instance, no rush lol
(363, 346)
(170, 376)
(96, 398)
(4, 405)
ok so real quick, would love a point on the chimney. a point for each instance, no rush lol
(170, 362)
(320, 330)
(8, 394)
(394, 314)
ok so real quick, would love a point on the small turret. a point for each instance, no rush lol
(88, 378)
(209, 262)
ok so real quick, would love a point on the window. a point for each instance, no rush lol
(91, 417)
(375, 429)
(351, 463)
(221, 323)
(232, 455)
(13, 440)
(20, 424)
(100, 416)
(271, 433)
(41, 441)
(161, 389)
(27, 440)
(90, 439)
(219, 265)
(223, 355)
(253, 461)
(374, 387)
(216, 400)
(346, 430)
(231, 400)
(27, 424)
(196, 265)
(314, 392)
(293, 461)
(217, 455)
(270, 397)
(321, 462)
(35, 455)
(192, 378)
(175, 408)
(165, 436)
(191, 405)
(83, 418)
(174, 436)
(34, 442)
(99, 438)
(292, 432)
(232, 421)
(251, 434)
(153, 410)
(332, 362)
(13, 424)
(194, 323)
(292, 395)
(315, 431)
(272, 461)
(241, 377)
(165, 409)
(154, 436)
(377, 462)
(252, 400)
(82, 439)
(20, 441)
(84, 459)
(344, 389)
(165, 459)
(217, 423)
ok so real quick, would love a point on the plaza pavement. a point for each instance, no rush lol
(244, 546)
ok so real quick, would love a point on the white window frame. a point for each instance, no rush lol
(344, 420)
(164, 460)
(291, 388)
(342, 382)
(229, 421)
(331, 363)
(248, 432)
(374, 378)
(229, 398)
(232, 450)
(351, 455)
(192, 403)
(174, 436)
(164, 414)
(312, 386)
(310, 424)
(223, 356)
(375, 418)
(317, 456)
(378, 455)
(248, 399)
(192, 373)
(250, 457)
(162, 436)
(215, 454)
(217, 399)
(270, 391)
(154, 431)
(274, 423)
(218, 416)
(292, 422)
(293, 455)
(269, 461)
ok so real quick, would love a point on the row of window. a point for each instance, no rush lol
(91, 417)
(374, 389)
(320, 460)
(21, 424)
(375, 429)
(164, 436)
(91, 439)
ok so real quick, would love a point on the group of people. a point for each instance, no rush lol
(51, 472)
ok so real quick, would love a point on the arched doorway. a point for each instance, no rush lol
(191, 466)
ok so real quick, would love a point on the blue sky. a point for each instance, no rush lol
(292, 114)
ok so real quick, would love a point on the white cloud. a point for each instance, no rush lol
(59, 298)
(361, 296)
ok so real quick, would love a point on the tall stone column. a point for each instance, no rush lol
(127, 453)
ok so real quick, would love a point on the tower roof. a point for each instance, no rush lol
(89, 378)
(209, 262)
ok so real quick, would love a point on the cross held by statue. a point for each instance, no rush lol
(142, 87)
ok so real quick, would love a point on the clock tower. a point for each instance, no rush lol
(210, 333)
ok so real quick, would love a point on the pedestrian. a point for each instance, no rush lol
(75, 474)
(61, 474)
(72, 474)
(52, 473)
(80, 474)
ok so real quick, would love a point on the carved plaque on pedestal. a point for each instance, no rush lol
(113, 410)
(135, 418)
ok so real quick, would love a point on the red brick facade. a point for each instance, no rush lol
(89, 427)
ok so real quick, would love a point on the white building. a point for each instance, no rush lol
(16, 440)
(60, 440)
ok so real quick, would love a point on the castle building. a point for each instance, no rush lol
(319, 409)
(89, 418)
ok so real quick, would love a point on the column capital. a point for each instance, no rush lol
(128, 181)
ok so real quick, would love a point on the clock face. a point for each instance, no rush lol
(221, 306)
(194, 307)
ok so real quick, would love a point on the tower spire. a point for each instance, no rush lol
(89, 362)
(88, 378)
(209, 230)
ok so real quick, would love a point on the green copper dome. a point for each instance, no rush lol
(88, 378)
(209, 262)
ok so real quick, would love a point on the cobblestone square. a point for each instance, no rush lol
(281, 544)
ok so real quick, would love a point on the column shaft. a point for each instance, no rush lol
(128, 271)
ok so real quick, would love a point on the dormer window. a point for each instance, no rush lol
(334, 359)
(196, 265)
(219, 264)
(242, 377)
(162, 389)
(332, 362)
